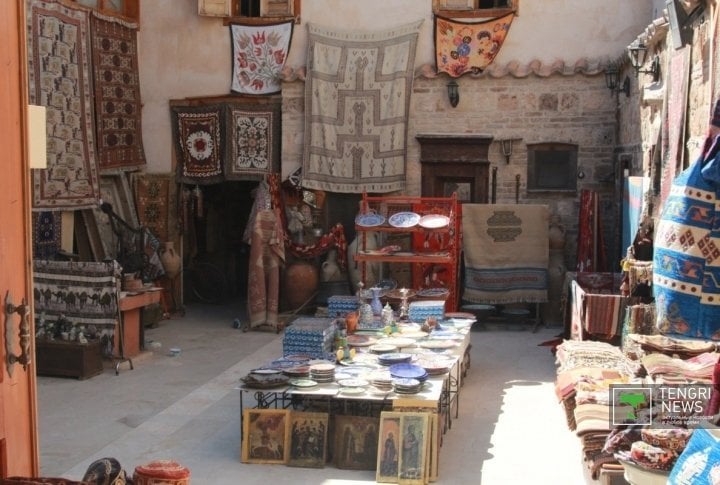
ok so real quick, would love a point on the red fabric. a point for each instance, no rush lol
(161, 471)
(591, 244)
(334, 239)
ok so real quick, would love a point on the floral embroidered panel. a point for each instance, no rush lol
(462, 47)
(259, 53)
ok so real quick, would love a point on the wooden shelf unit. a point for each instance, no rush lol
(434, 253)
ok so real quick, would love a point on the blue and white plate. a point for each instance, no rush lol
(369, 220)
(404, 219)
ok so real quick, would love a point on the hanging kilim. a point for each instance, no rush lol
(154, 197)
(357, 99)
(462, 47)
(59, 79)
(253, 137)
(259, 53)
(117, 93)
(198, 143)
(46, 232)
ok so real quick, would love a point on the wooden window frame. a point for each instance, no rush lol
(262, 19)
(533, 167)
(475, 13)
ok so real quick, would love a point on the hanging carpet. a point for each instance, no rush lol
(59, 78)
(155, 200)
(198, 135)
(259, 54)
(357, 99)
(117, 93)
(46, 234)
(253, 137)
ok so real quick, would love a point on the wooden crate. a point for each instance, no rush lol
(68, 359)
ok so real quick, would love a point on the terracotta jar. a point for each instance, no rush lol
(170, 259)
(300, 283)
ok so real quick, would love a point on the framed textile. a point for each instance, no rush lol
(264, 440)
(198, 136)
(307, 444)
(117, 93)
(357, 99)
(258, 54)
(462, 47)
(356, 442)
(59, 78)
(253, 137)
(155, 199)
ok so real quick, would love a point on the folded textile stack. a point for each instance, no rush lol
(572, 354)
(656, 450)
(341, 305)
(419, 311)
(310, 336)
(568, 382)
(666, 369)
(676, 347)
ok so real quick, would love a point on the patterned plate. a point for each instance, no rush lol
(369, 220)
(353, 383)
(404, 219)
(360, 340)
(433, 292)
(438, 344)
(304, 383)
(354, 391)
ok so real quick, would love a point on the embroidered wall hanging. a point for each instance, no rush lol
(253, 137)
(154, 198)
(198, 133)
(59, 79)
(357, 99)
(462, 47)
(117, 93)
(259, 53)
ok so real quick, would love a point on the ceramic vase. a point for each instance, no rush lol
(300, 283)
(376, 304)
(170, 259)
(330, 270)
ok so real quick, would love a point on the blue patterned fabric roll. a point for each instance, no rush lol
(686, 262)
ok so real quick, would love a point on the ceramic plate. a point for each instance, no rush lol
(433, 292)
(434, 221)
(369, 220)
(352, 390)
(404, 219)
(303, 382)
(360, 340)
(398, 342)
(386, 285)
(437, 344)
(382, 348)
(353, 383)
(265, 371)
(408, 371)
(397, 295)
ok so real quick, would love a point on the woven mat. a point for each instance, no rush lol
(506, 253)
(357, 99)
(59, 78)
(117, 93)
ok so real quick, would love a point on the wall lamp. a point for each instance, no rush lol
(637, 51)
(611, 81)
(507, 149)
(453, 93)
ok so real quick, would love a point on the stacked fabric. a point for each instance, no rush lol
(420, 310)
(572, 354)
(676, 347)
(341, 305)
(310, 336)
(566, 387)
(663, 368)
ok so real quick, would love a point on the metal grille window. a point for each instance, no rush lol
(552, 167)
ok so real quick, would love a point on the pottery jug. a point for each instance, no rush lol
(556, 233)
(170, 259)
(376, 304)
(300, 283)
(330, 268)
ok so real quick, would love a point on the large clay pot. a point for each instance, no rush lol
(300, 283)
(170, 259)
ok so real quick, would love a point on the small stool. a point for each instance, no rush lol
(161, 472)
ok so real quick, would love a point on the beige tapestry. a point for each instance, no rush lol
(506, 253)
(357, 98)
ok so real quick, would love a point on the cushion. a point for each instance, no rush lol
(161, 472)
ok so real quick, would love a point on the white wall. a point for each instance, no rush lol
(184, 55)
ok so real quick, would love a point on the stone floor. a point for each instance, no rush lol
(510, 429)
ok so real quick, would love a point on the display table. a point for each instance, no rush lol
(131, 332)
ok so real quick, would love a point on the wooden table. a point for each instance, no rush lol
(133, 332)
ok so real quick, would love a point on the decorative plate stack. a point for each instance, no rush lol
(394, 358)
(408, 371)
(322, 373)
(406, 386)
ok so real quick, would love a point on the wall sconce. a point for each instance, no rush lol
(453, 93)
(637, 52)
(507, 149)
(611, 81)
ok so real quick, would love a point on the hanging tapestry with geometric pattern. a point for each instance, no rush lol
(154, 198)
(46, 234)
(462, 47)
(117, 93)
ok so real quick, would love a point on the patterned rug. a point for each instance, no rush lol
(506, 253)
(117, 93)
(59, 78)
(253, 135)
(85, 293)
(46, 234)
(154, 199)
(673, 129)
(198, 135)
(259, 53)
(462, 47)
(357, 99)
